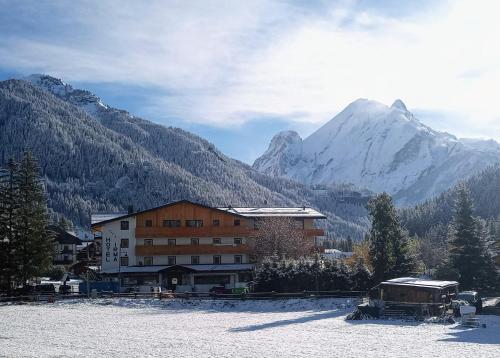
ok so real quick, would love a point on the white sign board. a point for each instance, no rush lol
(174, 281)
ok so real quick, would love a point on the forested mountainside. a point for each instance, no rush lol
(434, 215)
(98, 158)
(381, 148)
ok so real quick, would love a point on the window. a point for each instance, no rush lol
(212, 280)
(244, 276)
(148, 223)
(194, 223)
(195, 260)
(171, 260)
(238, 259)
(171, 223)
(238, 241)
(237, 222)
(148, 260)
(148, 242)
(66, 248)
(124, 243)
(217, 260)
(216, 222)
(195, 241)
(299, 223)
(216, 241)
(124, 261)
(123, 225)
(171, 242)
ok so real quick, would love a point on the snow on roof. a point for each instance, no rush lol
(413, 281)
(97, 218)
(301, 212)
(198, 268)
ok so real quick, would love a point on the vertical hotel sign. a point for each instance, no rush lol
(108, 249)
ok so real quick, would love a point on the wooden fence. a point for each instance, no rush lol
(189, 295)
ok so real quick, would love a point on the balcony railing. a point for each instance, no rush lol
(209, 231)
(149, 250)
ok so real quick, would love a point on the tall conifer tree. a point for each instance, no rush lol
(468, 252)
(34, 244)
(9, 221)
(388, 241)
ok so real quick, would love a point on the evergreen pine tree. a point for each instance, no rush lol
(468, 254)
(388, 241)
(34, 245)
(9, 221)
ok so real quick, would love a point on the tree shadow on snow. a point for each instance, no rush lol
(247, 306)
(488, 335)
(287, 322)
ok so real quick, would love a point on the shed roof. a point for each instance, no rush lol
(417, 282)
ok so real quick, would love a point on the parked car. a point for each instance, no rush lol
(471, 298)
(65, 289)
(45, 288)
(219, 290)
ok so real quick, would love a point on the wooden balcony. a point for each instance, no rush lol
(207, 231)
(141, 250)
(314, 232)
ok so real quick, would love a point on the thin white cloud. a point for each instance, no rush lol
(225, 62)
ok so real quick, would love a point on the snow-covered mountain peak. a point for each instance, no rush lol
(283, 149)
(381, 148)
(82, 98)
(399, 104)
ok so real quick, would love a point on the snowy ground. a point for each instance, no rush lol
(177, 328)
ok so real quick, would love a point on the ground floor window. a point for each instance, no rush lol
(195, 260)
(217, 260)
(238, 259)
(148, 261)
(124, 261)
(171, 260)
(212, 280)
(244, 276)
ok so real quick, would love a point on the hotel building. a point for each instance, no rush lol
(187, 246)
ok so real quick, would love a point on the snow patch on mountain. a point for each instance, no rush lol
(81, 98)
(381, 148)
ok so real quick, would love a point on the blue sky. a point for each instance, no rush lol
(237, 72)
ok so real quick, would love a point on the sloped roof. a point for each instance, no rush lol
(298, 212)
(63, 237)
(190, 268)
(417, 282)
(98, 218)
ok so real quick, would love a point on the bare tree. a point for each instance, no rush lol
(280, 238)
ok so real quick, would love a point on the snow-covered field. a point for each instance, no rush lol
(178, 328)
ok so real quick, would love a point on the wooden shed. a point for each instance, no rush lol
(416, 290)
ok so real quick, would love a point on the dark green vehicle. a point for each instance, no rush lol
(472, 298)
